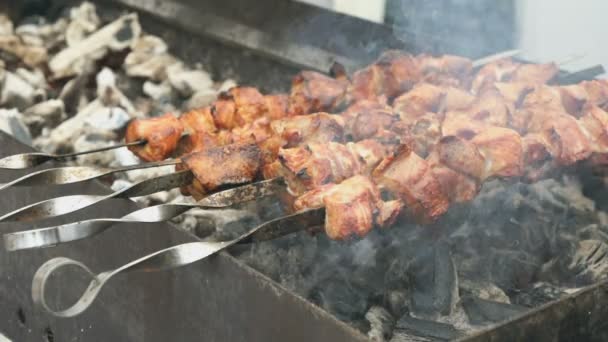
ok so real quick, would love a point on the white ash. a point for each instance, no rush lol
(149, 59)
(187, 82)
(44, 114)
(84, 21)
(115, 36)
(11, 122)
(17, 92)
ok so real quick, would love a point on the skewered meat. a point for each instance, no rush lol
(315, 164)
(161, 135)
(238, 106)
(369, 119)
(421, 99)
(200, 129)
(393, 73)
(508, 123)
(351, 207)
(409, 177)
(220, 166)
(446, 70)
(507, 70)
(314, 92)
(321, 127)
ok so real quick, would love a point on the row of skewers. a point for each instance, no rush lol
(407, 137)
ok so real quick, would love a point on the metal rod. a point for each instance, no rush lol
(73, 174)
(66, 204)
(169, 258)
(54, 235)
(27, 160)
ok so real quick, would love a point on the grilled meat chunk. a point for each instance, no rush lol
(220, 166)
(314, 92)
(394, 73)
(368, 119)
(421, 99)
(319, 127)
(410, 177)
(201, 130)
(315, 164)
(238, 106)
(161, 135)
(352, 207)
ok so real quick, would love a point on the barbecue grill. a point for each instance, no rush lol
(221, 298)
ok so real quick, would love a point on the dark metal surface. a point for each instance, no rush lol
(577, 317)
(220, 299)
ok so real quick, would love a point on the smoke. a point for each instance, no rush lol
(469, 28)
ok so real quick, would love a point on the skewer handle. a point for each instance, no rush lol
(169, 258)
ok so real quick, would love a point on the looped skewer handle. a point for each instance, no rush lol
(66, 204)
(73, 174)
(27, 160)
(51, 236)
(169, 258)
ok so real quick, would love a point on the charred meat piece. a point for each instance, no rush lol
(394, 73)
(316, 164)
(352, 207)
(368, 119)
(314, 92)
(421, 134)
(535, 73)
(238, 106)
(421, 99)
(498, 71)
(502, 151)
(199, 125)
(161, 135)
(276, 106)
(455, 99)
(446, 70)
(410, 178)
(226, 165)
(321, 127)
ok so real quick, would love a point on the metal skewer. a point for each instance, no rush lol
(50, 236)
(169, 258)
(66, 204)
(73, 174)
(27, 160)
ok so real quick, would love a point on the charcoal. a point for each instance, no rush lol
(484, 290)
(593, 232)
(341, 297)
(590, 262)
(538, 294)
(397, 302)
(513, 269)
(481, 311)
(435, 280)
(149, 59)
(381, 324)
(434, 331)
